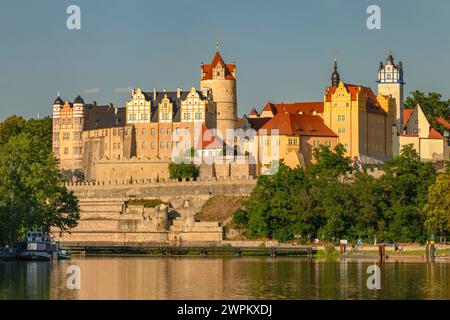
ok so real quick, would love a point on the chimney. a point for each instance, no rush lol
(179, 91)
(154, 94)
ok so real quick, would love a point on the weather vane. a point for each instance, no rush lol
(218, 44)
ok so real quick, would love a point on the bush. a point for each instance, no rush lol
(147, 203)
(182, 171)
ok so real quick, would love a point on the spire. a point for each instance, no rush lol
(390, 59)
(335, 78)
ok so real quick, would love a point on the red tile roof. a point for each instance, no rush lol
(307, 108)
(207, 69)
(253, 112)
(434, 134)
(372, 104)
(298, 124)
(443, 122)
(255, 123)
(406, 115)
(210, 141)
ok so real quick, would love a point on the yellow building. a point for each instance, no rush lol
(351, 115)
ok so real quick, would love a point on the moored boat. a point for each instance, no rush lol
(39, 246)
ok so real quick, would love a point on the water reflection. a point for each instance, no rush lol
(223, 278)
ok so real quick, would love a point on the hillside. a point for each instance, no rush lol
(220, 208)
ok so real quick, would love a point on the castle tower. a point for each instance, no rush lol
(78, 127)
(390, 82)
(220, 78)
(56, 116)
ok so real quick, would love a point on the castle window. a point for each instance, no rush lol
(168, 145)
(168, 130)
(118, 145)
(162, 131)
(114, 146)
(66, 136)
(66, 151)
(144, 131)
(114, 132)
(152, 131)
(143, 145)
(153, 145)
(161, 145)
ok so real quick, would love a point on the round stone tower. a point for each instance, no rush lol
(220, 78)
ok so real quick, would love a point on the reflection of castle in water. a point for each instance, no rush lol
(223, 278)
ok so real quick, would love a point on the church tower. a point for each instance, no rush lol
(390, 82)
(220, 78)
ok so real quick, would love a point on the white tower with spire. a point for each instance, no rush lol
(390, 82)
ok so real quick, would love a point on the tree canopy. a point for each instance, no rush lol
(182, 170)
(304, 204)
(32, 193)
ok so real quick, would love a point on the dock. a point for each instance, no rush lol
(163, 250)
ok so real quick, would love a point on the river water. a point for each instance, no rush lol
(222, 278)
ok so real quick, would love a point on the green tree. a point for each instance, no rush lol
(10, 127)
(32, 193)
(437, 208)
(330, 162)
(405, 183)
(182, 171)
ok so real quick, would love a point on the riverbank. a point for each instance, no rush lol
(407, 252)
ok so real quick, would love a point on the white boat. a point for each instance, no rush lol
(37, 246)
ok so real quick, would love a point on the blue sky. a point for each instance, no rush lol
(284, 49)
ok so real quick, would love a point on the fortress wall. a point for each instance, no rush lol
(106, 220)
(165, 191)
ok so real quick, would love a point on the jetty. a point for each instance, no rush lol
(165, 250)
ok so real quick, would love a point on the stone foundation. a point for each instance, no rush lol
(106, 219)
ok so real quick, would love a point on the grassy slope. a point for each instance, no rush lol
(220, 208)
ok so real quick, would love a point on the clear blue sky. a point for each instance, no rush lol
(283, 49)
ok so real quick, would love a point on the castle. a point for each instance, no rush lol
(124, 153)
(88, 137)
(136, 142)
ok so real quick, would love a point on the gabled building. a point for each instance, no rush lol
(428, 142)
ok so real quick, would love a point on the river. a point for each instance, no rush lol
(222, 278)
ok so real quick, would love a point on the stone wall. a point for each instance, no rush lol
(107, 219)
(131, 169)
